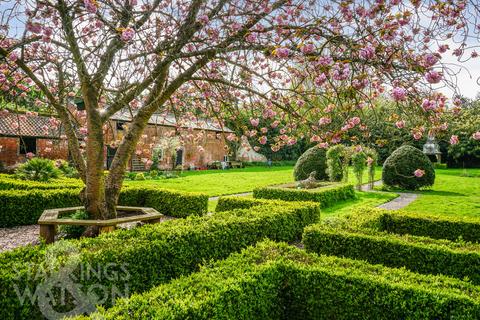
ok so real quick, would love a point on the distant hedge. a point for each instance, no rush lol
(24, 207)
(153, 254)
(277, 281)
(7, 182)
(326, 196)
(361, 236)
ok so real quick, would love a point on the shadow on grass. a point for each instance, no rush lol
(441, 193)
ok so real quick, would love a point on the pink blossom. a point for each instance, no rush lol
(256, 148)
(476, 135)
(433, 76)
(369, 161)
(203, 19)
(355, 120)
(399, 94)
(91, 5)
(430, 60)
(13, 56)
(315, 138)
(324, 61)
(324, 121)
(453, 139)
(127, 34)
(358, 148)
(400, 124)
(367, 52)
(282, 52)
(262, 140)
(2, 78)
(308, 48)
(417, 135)
(254, 122)
(29, 155)
(34, 27)
(320, 79)
(419, 173)
(275, 124)
(323, 145)
(200, 149)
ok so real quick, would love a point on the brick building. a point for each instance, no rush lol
(22, 134)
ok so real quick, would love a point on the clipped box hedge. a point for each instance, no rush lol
(277, 281)
(8, 182)
(326, 196)
(155, 254)
(437, 227)
(24, 207)
(418, 254)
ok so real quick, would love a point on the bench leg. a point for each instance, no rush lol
(107, 229)
(47, 232)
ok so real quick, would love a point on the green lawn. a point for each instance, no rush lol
(452, 194)
(219, 182)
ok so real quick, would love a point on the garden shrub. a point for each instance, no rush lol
(37, 169)
(24, 207)
(338, 158)
(326, 196)
(8, 182)
(153, 254)
(73, 231)
(359, 163)
(437, 227)
(66, 169)
(365, 235)
(277, 281)
(140, 176)
(372, 159)
(399, 168)
(418, 254)
(232, 202)
(314, 159)
(177, 204)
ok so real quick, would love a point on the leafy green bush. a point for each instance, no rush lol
(359, 163)
(314, 159)
(414, 253)
(326, 196)
(277, 281)
(338, 158)
(72, 231)
(24, 207)
(172, 203)
(438, 165)
(37, 169)
(140, 176)
(153, 254)
(8, 182)
(399, 169)
(451, 228)
(66, 169)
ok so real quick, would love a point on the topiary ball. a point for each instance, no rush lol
(399, 169)
(314, 159)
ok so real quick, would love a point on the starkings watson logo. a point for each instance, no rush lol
(63, 285)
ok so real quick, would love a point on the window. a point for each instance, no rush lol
(28, 144)
(120, 125)
(158, 152)
(225, 158)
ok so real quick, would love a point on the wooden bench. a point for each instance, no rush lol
(236, 164)
(49, 220)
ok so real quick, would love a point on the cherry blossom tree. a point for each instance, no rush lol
(295, 62)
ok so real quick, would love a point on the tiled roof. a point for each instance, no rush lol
(169, 120)
(13, 124)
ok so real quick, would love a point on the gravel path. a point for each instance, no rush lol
(245, 194)
(401, 202)
(18, 236)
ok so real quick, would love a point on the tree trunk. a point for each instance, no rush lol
(94, 195)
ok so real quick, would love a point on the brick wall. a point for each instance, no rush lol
(9, 151)
(46, 148)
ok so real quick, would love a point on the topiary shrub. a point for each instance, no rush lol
(338, 158)
(37, 169)
(314, 159)
(400, 169)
